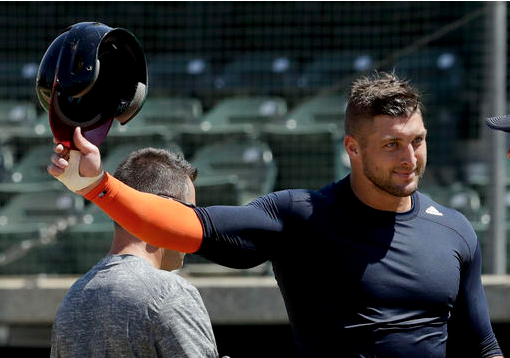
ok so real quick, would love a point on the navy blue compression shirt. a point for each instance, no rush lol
(360, 282)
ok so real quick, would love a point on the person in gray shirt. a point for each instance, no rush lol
(129, 304)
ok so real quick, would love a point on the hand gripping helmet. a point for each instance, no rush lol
(90, 75)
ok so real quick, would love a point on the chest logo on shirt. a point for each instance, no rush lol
(433, 211)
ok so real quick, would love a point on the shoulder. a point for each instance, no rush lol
(301, 203)
(449, 218)
(161, 285)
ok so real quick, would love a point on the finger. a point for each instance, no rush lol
(61, 149)
(81, 142)
(58, 161)
(62, 152)
(54, 170)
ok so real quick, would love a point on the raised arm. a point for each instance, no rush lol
(160, 221)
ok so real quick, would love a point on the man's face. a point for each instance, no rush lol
(173, 260)
(394, 153)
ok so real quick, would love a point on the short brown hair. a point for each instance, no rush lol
(157, 171)
(382, 94)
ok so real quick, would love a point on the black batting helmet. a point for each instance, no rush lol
(91, 74)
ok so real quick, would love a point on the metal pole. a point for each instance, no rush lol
(495, 250)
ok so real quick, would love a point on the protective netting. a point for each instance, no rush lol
(270, 75)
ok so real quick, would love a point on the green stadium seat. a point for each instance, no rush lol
(318, 109)
(334, 68)
(261, 72)
(308, 155)
(16, 113)
(135, 131)
(118, 153)
(6, 163)
(30, 227)
(249, 160)
(170, 111)
(22, 138)
(41, 207)
(188, 74)
(29, 175)
(17, 76)
(193, 137)
(217, 190)
(246, 109)
(231, 118)
(15, 116)
(477, 173)
(88, 241)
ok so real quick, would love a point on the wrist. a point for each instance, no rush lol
(92, 186)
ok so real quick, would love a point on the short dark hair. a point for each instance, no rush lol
(157, 171)
(381, 94)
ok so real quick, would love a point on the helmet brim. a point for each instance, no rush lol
(501, 123)
(63, 128)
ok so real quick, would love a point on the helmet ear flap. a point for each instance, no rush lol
(130, 59)
(135, 105)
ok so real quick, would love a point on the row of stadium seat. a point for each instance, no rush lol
(183, 120)
(232, 172)
(55, 232)
(172, 111)
(310, 157)
(311, 133)
(264, 72)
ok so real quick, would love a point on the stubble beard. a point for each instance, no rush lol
(385, 182)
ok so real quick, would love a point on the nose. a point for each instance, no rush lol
(408, 157)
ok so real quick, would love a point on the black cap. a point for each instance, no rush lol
(501, 123)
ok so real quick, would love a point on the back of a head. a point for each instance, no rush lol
(157, 171)
(381, 94)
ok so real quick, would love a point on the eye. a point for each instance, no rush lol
(390, 145)
(418, 140)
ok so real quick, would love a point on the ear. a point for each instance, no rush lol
(351, 146)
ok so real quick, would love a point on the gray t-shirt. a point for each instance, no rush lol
(124, 307)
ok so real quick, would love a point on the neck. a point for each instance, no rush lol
(376, 198)
(126, 244)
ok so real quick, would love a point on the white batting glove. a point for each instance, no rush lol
(71, 177)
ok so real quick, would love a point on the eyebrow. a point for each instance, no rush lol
(421, 134)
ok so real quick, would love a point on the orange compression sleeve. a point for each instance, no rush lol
(159, 221)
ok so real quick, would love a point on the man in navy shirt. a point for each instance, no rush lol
(367, 266)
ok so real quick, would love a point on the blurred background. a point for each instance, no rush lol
(253, 94)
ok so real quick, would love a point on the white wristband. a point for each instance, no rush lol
(71, 177)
